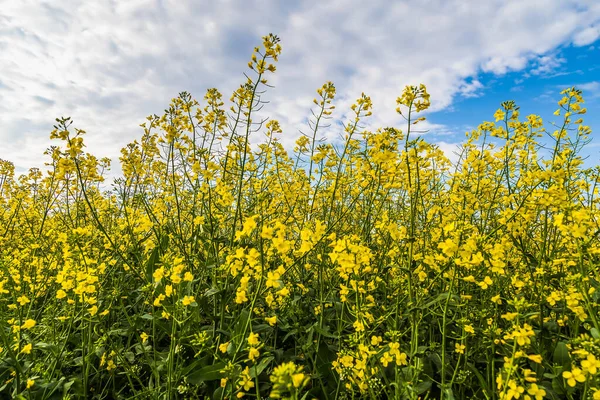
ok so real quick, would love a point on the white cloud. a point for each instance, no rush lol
(587, 36)
(589, 86)
(471, 89)
(547, 64)
(109, 64)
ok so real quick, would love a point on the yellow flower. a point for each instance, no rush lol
(93, 310)
(536, 391)
(459, 348)
(376, 340)
(253, 339)
(30, 383)
(401, 359)
(358, 326)
(30, 323)
(487, 281)
(187, 300)
(246, 381)
(240, 296)
(297, 380)
(144, 337)
(175, 278)
(514, 390)
(248, 226)
(271, 320)
(22, 300)
(449, 227)
(499, 115)
(535, 358)
(61, 294)
(509, 316)
(273, 279)
(253, 353)
(158, 300)
(188, 277)
(285, 378)
(223, 347)
(448, 247)
(27, 348)
(591, 364)
(386, 359)
(469, 329)
(267, 232)
(110, 365)
(158, 274)
(573, 376)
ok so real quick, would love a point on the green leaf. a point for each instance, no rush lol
(422, 387)
(557, 386)
(74, 386)
(261, 328)
(293, 332)
(305, 396)
(49, 347)
(561, 355)
(130, 356)
(197, 364)
(258, 369)
(550, 393)
(441, 297)
(480, 378)
(324, 333)
(595, 334)
(151, 264)
(208, 373)
(240, 325)
(449, 394)
(211, 292)
(218, 394)
(118, 332)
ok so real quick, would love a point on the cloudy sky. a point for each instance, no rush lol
(108, 64)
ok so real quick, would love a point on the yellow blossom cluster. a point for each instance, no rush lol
(223, 264)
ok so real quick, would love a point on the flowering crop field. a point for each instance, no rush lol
(368, 268)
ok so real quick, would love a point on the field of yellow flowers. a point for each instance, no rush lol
(371, 268)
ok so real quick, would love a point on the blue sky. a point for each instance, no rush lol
(108, 64)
